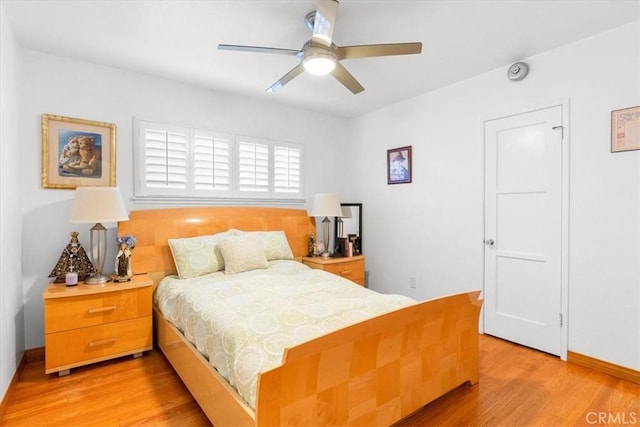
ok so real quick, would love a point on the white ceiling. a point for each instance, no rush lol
(178, 39)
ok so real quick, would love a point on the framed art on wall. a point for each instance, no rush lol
(399, 165)
(77, 152)
(625, 129)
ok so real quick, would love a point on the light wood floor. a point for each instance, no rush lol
(518, 387)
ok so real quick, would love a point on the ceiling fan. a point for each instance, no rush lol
(321, 56)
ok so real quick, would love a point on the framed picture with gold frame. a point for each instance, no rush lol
(77, 153)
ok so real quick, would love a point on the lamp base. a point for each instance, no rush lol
(97, 280)
(98, 251)
(326, 224)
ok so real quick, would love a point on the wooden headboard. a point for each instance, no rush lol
(152, 228)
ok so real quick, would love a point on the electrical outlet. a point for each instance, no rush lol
(412, 282)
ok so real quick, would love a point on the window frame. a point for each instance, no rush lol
(190, 194)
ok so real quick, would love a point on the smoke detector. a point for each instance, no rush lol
(518, 71)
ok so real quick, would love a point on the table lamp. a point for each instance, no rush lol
(326, 205)
(98, 205)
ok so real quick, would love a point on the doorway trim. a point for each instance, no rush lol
(564, 259)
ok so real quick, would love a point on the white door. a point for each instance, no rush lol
(523, 228)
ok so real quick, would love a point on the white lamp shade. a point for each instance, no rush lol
(326, 204)
(346, 212)
(98, 204)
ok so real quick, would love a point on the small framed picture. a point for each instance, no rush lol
(625, 129)
(399, 165)
(77, 152)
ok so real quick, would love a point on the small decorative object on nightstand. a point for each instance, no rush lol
(124, 272)
(73, 259)
(86, 323)
(311, 245)
(351, 268)
(71, 278)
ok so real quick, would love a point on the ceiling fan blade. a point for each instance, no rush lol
(297, 70)
(370, 50)
(324, 21)
(345, 77)
(259, 49)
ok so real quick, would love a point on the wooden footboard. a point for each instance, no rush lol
(378, 371)
(372, 373)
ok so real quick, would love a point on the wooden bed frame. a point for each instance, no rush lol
(372, 373)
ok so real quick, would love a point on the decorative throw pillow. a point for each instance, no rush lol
(274, 243)
(242, 253)
(196, 256)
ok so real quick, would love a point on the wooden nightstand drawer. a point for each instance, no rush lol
(351, 268)
(97, 343)
(62, 314)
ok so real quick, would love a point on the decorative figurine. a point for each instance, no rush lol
(123, 258)
(311, 246)
(73, 259)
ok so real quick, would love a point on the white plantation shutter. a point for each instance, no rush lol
(165, 152)
(253, 167)
(212, 162)
(286, 169)
(180, 164)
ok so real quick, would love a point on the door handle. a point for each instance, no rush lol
(489, 243)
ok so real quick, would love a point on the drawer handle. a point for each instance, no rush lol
(101, 309)
(344, 273)
(103, 342)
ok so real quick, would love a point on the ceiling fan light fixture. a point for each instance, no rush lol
(321, 56)
(319, 64)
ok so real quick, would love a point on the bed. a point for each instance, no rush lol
(373, 372)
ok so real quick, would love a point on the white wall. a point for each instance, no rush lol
(433, 228)
(71, 88)
(11, 312)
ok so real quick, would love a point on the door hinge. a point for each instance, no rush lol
(561, 320)
(561, 130)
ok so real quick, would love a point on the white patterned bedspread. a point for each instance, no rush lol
(243, 322)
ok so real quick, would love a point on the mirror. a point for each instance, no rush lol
(349, 229)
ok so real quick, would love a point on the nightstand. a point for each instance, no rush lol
(85, 324)
(351, 268)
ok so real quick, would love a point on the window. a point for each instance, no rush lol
(165, 159)
(286, 169)
(211, 162)
(253, 166)
(177, 163)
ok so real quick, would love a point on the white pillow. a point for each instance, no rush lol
(242, 253)
(196, 256)
(274, 243)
